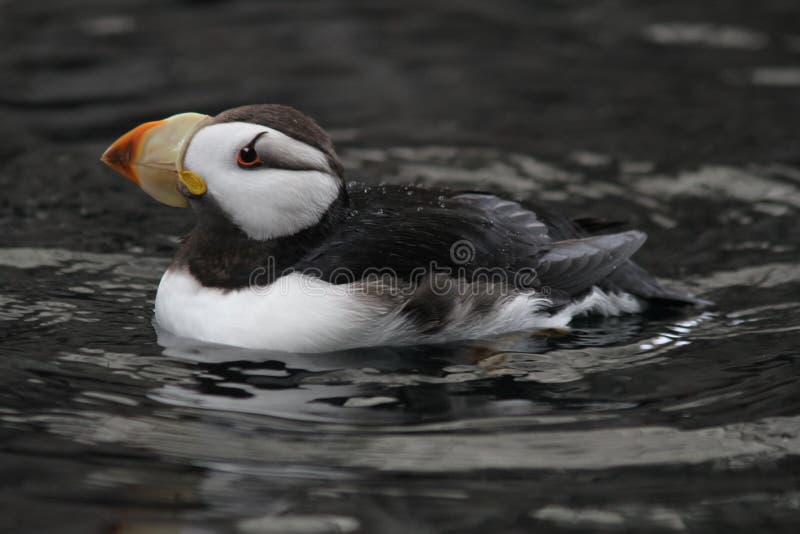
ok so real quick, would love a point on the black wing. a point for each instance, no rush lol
(629, 276)
(408, 231)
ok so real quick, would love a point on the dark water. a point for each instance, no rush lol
(681, 117)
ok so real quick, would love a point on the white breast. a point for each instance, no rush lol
(299, 313)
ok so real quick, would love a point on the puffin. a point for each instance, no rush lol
(286, 255)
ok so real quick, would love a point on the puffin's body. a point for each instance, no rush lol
(286, 256)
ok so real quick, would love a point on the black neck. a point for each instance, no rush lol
(219, 254)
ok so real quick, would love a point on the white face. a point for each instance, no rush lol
(289, 192)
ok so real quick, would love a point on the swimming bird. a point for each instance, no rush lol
(286, 255)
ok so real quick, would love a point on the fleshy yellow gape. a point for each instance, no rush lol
(195, 184)
(151, 155)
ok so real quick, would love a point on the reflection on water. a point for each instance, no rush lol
(620, 410)
(704, 34)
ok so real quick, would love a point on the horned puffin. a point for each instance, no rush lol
(286, 255)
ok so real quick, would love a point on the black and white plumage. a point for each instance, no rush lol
(287, 256)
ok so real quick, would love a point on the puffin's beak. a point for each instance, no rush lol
(151, 155)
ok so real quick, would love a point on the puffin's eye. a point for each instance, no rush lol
(248, 157)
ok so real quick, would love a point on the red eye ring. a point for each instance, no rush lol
(248, 157)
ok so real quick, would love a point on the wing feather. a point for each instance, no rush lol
(575, 265)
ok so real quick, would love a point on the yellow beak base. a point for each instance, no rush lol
(192, 182)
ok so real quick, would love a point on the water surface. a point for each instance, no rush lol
(682, 421)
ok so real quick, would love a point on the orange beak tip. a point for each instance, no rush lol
(121, 166)
(123, 152)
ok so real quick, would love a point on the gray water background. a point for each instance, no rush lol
(681, 117)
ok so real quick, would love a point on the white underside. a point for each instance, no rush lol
(303, 314)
